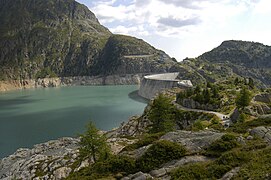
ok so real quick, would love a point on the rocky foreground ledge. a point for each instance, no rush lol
(56, 159)
(53, 156)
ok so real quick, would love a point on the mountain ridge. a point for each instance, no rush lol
(241, 52)
(61, 38)
(232, 58)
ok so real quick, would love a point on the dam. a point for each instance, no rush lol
(152, 84)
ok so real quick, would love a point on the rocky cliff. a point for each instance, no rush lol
(62, 38)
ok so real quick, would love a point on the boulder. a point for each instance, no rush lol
(185, 160)
(158, 172)
(241, 140)
(229, 175)
(262, 132)
(264, 97)
(138, 176)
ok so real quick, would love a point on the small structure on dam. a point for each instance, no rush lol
(152, 84)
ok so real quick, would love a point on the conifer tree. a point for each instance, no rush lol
(93, 144)
(244, 98)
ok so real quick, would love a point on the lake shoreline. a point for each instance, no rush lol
(127, 79)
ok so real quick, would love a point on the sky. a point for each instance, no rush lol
(186, 28)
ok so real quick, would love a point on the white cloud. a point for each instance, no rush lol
(185, 27)
(130, 30)
(176, 23)
(263, 7)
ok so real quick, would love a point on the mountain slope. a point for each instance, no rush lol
(55, 38)
(48, 37)
(247, 54)
(235, 59)
(126, 55)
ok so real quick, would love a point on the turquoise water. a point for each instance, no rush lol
(33, 116)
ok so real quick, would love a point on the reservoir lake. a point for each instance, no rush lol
(33, 116)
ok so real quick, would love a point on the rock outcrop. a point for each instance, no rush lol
(163, 172)
(265, 98)
(190, 103)
(262, 132)
(134, 127)
(50, 160)
(258, 109)
(193, 141)
(168, 167)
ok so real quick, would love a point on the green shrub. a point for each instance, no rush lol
(197, 126)
(242, 127)
(255, 144)
(159, 153)
(191, 171)
(233, 158)
(144, 141)
(218, 127)
(244, 97)
(115, 164)
(254, 164)
(226, 143)
(187, 117)
(241, 118)
(212, 170)
(258, 167)
(110, 167)
(216, 171)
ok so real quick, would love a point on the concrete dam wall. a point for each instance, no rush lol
(153, 84)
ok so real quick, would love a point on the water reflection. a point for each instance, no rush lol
(134, 96)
